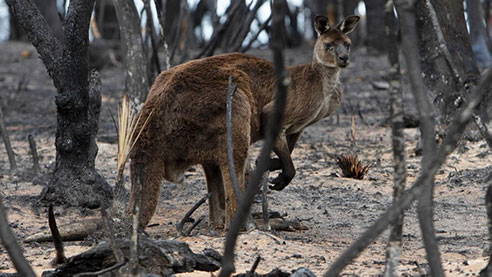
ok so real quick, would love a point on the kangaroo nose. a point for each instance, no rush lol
(343, 58)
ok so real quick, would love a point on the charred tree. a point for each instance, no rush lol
(50, 13)
(136, 80)
(75, 180)
(107, 22)
(375, 36)
(478, 34)
(446, 79)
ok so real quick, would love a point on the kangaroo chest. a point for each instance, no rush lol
(325, 101)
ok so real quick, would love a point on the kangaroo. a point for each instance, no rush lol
(188, 122)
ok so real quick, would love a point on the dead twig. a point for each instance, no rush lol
(272, 130)
(6, 141)
(134, 257)
(186, 218)
(10, 243)
(57, 241)
(251, 272)
(35, 158)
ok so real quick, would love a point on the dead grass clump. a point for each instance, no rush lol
(352, 167)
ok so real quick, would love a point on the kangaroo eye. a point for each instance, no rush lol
(347, 45)
(328, 46)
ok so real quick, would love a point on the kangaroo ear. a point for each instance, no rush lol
(321, 24)
(348, 24)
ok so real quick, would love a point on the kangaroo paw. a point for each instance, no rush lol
(279, 183)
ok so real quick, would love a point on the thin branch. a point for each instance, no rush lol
(57, 241)
(35, 158)
(6, 141)
(231, 89)
(193, 226)
(454, 133)
(251, 272)
(10, 243)
(186, 218)
(272, 130)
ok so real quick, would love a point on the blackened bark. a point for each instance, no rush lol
(445, 83)
(75, 180)
(375, 37)
(136, 81)
(50, 12)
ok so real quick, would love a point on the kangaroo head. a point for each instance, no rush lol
(333, 45)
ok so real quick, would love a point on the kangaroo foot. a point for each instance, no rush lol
(280, 182)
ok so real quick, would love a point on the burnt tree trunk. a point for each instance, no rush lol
(375, 37)
(136, 78)
(446, 79)
(75, 180)
(478, 34)
(49, 11)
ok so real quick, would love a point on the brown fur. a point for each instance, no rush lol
(187, 126)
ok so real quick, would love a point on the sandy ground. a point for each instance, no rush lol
(336, 210)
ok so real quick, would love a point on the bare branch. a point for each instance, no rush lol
(10, 243)
(454, 133)
(272, 130)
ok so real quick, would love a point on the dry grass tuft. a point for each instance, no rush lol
(352, 167)
(127, 123)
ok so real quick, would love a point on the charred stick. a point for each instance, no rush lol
(200, 219)
(186, 218)
(255, 265)
(60, 254)
(10, 242)
(231, 89)
(6, 141)
(483, 129)
(272, 130)
(35, 157)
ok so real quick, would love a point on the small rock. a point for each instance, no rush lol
(381, 85)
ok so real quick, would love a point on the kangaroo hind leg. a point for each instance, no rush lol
(216, 203)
